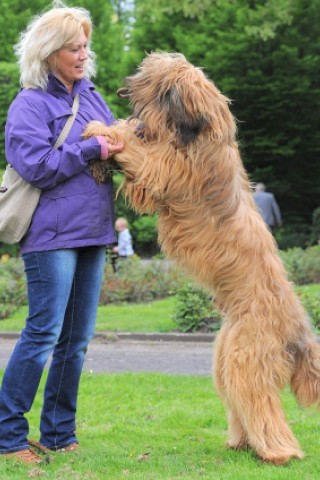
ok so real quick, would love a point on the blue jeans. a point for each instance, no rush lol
(63, 292)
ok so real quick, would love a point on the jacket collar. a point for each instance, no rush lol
(57, 88)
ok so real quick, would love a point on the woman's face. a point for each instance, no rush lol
(68, 62)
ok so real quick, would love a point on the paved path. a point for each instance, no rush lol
(176, 356)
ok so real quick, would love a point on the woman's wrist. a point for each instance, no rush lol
(104, 147)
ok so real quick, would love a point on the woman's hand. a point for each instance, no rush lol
(114, 148)
(109, 146)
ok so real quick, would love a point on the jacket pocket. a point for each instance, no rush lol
(70, 188)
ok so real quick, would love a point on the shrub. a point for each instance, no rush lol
(311, 304)
(9, 87)
(146, 280)
(9, 250)
(143, 228)
(303, 266)
(145, 234)
(315, 229)
(293, 235)
(13, 292)
(139, 281)
(194, 310)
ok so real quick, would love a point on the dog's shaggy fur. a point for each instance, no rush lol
(187, 168)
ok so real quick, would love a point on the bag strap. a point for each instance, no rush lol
(66, 129)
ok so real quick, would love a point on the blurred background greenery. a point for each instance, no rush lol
(155, 296)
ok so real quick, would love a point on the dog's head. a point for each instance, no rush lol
(169, 93)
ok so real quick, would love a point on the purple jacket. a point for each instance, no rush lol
(73, 211)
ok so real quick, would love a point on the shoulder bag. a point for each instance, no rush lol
(19, 199)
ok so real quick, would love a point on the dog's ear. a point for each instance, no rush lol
(188, 125)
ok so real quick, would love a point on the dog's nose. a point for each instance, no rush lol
(123, 92)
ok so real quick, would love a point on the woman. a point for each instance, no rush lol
(64, 248)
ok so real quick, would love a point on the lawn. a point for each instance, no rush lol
(156, 426)
(147, 317)
(162, 427)
(312, 289)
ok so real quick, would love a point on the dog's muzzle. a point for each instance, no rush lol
(123, 92)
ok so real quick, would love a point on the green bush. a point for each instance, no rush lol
(9, 87)
(139, 281)
(145, 280)
(293, 235)
(194, 310)
(315, 228)
(10, 250)
(311, 304)
(145, 234)
(303, 266)
(143, 228)
(12, 286)
(136, 281)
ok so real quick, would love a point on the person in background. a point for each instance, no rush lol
(124, 248)
(64, 249)
(267, 206)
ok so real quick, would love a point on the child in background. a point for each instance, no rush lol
(124, 248)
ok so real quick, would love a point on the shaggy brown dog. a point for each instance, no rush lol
(187, 168)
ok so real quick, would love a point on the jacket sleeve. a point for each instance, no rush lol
(29, 147)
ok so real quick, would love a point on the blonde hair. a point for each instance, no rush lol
(46, 34)
(121, 222)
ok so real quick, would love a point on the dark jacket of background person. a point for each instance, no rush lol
(267, 206)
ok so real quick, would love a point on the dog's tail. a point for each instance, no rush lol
(305, 381)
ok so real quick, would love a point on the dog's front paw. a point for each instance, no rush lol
(95, 128)
(238, 444)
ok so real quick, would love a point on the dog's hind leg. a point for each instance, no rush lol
(238, 438)
(237, 434)
(246, 380)
(305, 381)
(268, 431)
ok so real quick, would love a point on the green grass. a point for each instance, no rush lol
(312, 289)
(147, 317)
(161, 427)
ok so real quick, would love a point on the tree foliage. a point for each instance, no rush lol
(9, 87)
(263, 55)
